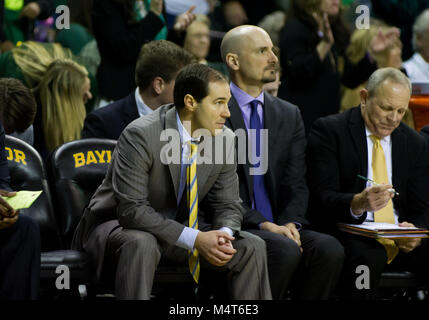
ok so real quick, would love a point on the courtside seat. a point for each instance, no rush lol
(27, 172)
(76, 169)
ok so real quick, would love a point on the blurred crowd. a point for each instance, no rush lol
(83, 58)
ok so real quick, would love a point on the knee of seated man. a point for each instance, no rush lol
(251, 242)
(141, 241)
(28, 226)
(331, 249)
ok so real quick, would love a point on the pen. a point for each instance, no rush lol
(391, 190)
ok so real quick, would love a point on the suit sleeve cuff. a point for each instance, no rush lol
(355, 216)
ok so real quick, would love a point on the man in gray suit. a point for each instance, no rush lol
(140, 213)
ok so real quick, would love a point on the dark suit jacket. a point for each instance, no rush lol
(108, 122)
(285, 178)
(425, 133)
(337, 153)
(306, 79)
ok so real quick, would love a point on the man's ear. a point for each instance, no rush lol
(363, 97)
(190, 103)
(158, 85)
(232, 62)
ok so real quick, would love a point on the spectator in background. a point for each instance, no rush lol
(196, 40)
(157, 66)
(17, 109)
(19, 18)
(61, 87)
(273, 23)
(120, 30)
(173, 8)
(390, 57)
(401, 14)
(233, 13)
(417, 66)
(314, 64)
(79, 38)
(19, 234)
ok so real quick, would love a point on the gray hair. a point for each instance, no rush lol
(382, 74)
(420, 27)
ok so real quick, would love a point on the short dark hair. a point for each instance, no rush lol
(160, 58)
(17, 105)
(194, 79)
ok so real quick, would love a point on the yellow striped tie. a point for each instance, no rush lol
(192, 187)
(379, 172)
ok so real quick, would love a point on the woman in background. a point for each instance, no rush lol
(390, 57)
(61, 87)
(312, 55)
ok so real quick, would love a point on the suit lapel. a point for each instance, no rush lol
(270, 123)
(235, 122)
(171, 123)
(399, 152)
(204, 169)
(357, 130)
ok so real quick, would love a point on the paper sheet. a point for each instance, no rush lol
(381, 226)
(23, 199)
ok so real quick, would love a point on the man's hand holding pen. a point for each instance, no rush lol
(372, 199)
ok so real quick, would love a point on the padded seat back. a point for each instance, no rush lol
(27, 172)
(76, 170)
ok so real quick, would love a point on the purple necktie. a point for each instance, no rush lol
(260, 195)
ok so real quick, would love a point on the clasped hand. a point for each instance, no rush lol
(215, 246)
(289, 230)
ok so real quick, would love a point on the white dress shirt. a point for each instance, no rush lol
(142, 108)
(188, 235)
(386, 144)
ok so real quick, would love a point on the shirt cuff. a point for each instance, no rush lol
(227, 230)
(355, 216)
(187, 238)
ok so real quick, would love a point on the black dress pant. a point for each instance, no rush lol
(312, 274)
(20, 260)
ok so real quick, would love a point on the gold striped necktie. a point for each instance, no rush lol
(192, 192)
(379, 172)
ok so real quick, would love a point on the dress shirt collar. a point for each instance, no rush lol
(185, 137)
(142, 108)
(385, 140)
(243, 98)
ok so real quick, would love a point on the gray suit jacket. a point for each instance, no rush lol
(140, 192)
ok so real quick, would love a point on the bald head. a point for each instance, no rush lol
(248, 53)
(234, 39)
